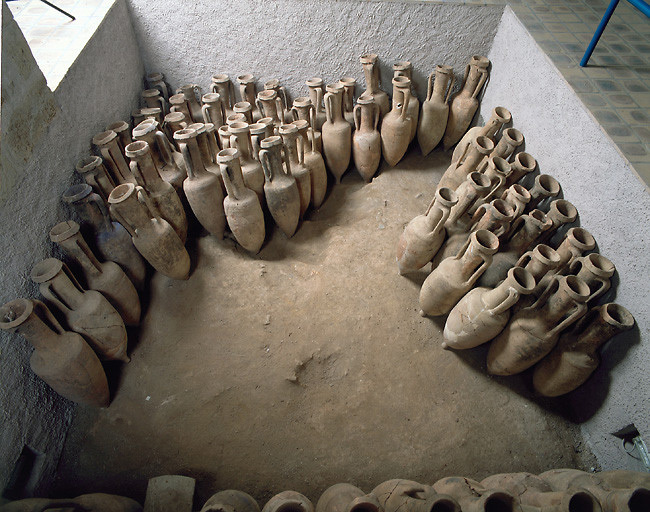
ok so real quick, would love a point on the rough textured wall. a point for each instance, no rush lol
(43, 134)
(295, 40)
(614, 206)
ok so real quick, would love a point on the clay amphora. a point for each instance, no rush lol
(112, 241)
(575, 357)
(625, 479)
(457, 172)
(162, 194)
(270, 105)
(533, 331)
(152, 235)
(153, 98)
(510, 140)
(108, 145)
(224, 136)
(207, 147)
(231, 501)
(297, 167)
(396, 124)
(371, 74)
(545, 187)
(465, 103)
(435, 109)
(483, 313)
(61, 358)
(106, 277)
(314, 162)
(456, 275)
(95, 174)
(85, 311)
(155, 114)
(213, 110)
(407, 495)
(246, 109)
(575, 243)
(240, 139)
(518, 197)
(522, 165)
(249, 94)
(595, 270)
(338, 498)
(121, 128)
(405, 69)
(349, 85)
(337, 133)
(473, 497)
(221, 84)
(289, 501)
(280, 189)
(561, 212)
(539, 262)
(475, 187)
(189, 93)
(304, 110)
(284, 110)
(423, 236)
(157, 80)
(316, 93)
(525, 231)
(173, 122)
(242, 206)
(178, 103)
(366, 141)
(202, 188)
(497, 170)
(498, 118)
(169, 162)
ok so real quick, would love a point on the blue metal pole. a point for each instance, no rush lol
(599, 32)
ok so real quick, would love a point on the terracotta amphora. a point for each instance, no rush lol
(371, 73)
(337, 133)
(224, 136)
(246, 109)
(61, 358)
(112, 241)
(475, 187)
(162, 194)
(173, 122)
(231, 501)
(108, 145)
(297, 167)
(595, 270)
(189, 92)
(349, 85)
(560, 212)
(284, 106)
(575, 357)
(95, 174)
(86, 312)
(497, 170)
(366, 141)
(402, 495)
(152, 235)
(465, 103)
(313, 161)
(202, 188)
(533, 331)
(156, 80)
(499, 117)
(270, 105)
(155, 114)
(178, 103)
(153, 98)
(242, 206)
(106, 277)
(240, 139)
(535, 494)
(435, 109)
(423, 236)
(316, 93)
(213, 109)
(625, 479)
(405, 69)
(483, 313)
(522, 165)
(545, 187)
(539, 262)
(397, 125)
(575, 243)
(338, 498)
(456, 275)
(631, 497)
(457, 172)
(97, 502)
(289, 501)
(510, 140)
(222, 85)
(473, 497)
(121, 128)
(280, 188)
(169, 162)
(523, 234)
(518, 197)
(304, 110)
(248, 93)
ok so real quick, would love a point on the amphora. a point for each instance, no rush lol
(251, 168)
(595, 270)
(457, 171)
(94, 173)
(405, 69)
(313, 161)
(396, 125)
(435, 109)
(371, 73)
(316, 93)
(231, 501)
(222, 85)
(401, 495)
(473, 497)
(366, 141)
(297, 167)
(498, 117)
(289, 501)
(337, 133)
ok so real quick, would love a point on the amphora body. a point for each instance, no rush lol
(435, 109)
(366, 141)
(396, 125)
(337, 133)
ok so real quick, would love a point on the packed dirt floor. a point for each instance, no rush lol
(308, 364)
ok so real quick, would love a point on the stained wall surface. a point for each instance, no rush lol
(43, 134)
(295, 40)
(614, 205)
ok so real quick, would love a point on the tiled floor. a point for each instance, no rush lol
(56, 40)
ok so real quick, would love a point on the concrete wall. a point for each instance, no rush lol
(44, 133)
(295, 40)
(614, 205)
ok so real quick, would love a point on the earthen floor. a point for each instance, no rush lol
(308, 365)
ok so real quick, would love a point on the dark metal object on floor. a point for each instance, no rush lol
(59, 9)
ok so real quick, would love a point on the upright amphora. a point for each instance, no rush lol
(371, 73)
(397, 124)
(435, 109)
(337, 133)
(366, 141)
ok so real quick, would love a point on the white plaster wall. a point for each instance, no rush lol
(44, 133)
(293, 40)
(614, 206)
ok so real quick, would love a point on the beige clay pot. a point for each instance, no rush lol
(366, 141)
(499, 117)
(313, 161)
(435, 109)
(337, 133)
